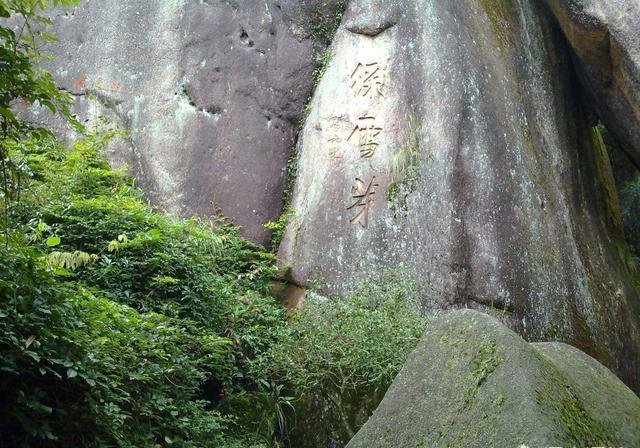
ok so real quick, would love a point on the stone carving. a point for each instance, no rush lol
(363, 194)
(368, 136)
(506, 196)
(367, 80)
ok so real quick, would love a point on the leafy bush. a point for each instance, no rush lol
(21, 76)
(336, 358)
(279, 226)
(146, 260)
(24, 82)
(80, 370)
(208, 284)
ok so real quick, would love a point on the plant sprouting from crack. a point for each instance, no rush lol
(405, 168)
(325, 29)
(322, 61)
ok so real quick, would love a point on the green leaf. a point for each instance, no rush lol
(29, 341)
(49, 105)
(154, 233)
(8, 115)
(72, 373)
(53, 241)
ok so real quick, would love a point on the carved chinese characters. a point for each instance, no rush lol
(366, 82)
(368, 136)
(363, 195)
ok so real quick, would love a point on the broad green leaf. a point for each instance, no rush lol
(53, 241)
(29, 341)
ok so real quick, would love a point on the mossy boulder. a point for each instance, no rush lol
(473, 382)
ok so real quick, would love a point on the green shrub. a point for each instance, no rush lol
(336, 359)
(279, 226)
(182, 268)
(80, 370)
(209, 281)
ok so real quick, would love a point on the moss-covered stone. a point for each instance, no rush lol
(473, 382)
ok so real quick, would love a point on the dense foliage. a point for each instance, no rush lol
(78, 369)
(123, 327)
(112, 374)
(21, 77)
(23, 81)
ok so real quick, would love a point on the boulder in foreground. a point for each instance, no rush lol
(473, 382)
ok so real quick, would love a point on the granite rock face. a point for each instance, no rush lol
(448, 140)
(211, 91)
(605, 38)
(473, 382)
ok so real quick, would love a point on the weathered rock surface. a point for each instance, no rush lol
(473, 382)
(605, 37)
(212, 92)
(446, 140)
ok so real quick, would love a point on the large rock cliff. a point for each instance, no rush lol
(450, 140)
(605, 41)
(211, 91)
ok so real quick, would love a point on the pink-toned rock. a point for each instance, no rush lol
(212, 92)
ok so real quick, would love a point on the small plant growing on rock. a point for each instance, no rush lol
(405, 167)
